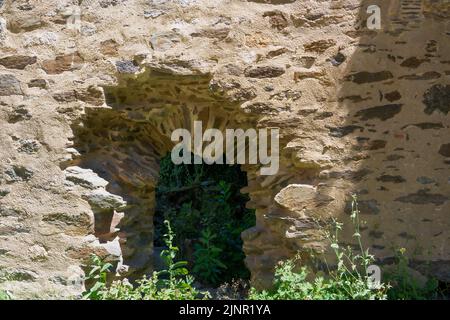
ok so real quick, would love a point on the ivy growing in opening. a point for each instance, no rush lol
(207, 212)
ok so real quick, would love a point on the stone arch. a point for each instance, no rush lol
(124, 141)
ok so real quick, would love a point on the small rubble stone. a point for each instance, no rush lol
(17, 62)
(9, 85)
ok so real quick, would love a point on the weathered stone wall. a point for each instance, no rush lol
(85, 115)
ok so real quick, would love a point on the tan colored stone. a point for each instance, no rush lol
(359, 110)
(63, 63)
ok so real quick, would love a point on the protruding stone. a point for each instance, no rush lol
(303, 199)
(103, 200)
(85, 178)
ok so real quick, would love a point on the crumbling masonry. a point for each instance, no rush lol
(87, 109)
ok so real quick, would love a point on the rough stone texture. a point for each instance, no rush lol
(17, 62)
(9, 85)
(84, 126)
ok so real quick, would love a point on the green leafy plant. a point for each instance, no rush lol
(4, 295)
(349, 280)
(178, 282)
(208, 265)
(199, 197)
(172, 283)
(97, 274)
(405, 286)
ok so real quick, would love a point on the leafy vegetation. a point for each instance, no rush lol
(405, 286)
(4, 295)
(349, 280)
(172, 283)
(207, 258)
(97, 275)
(208, 214)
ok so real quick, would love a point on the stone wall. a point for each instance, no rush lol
(86, 111)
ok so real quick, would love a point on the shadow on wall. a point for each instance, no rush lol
(121, 152)
(396, 96)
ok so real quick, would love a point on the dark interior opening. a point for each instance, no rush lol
(207, 212)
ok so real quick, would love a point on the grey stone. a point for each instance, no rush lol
(18, 173)
(437, 98)
(423, 197)
(425, 180)
(18, 274)
(11, 212)
(126, 67)
(338, 59)
(365, 207)
(17, 62)
(2, 28)
(38, 83)
(19, 113)
(28, 146)
(9, 85)
(153, 13)
(103, 200)
(85, 178)
(264, 72)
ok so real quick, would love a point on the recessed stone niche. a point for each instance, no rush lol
(122, 144)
